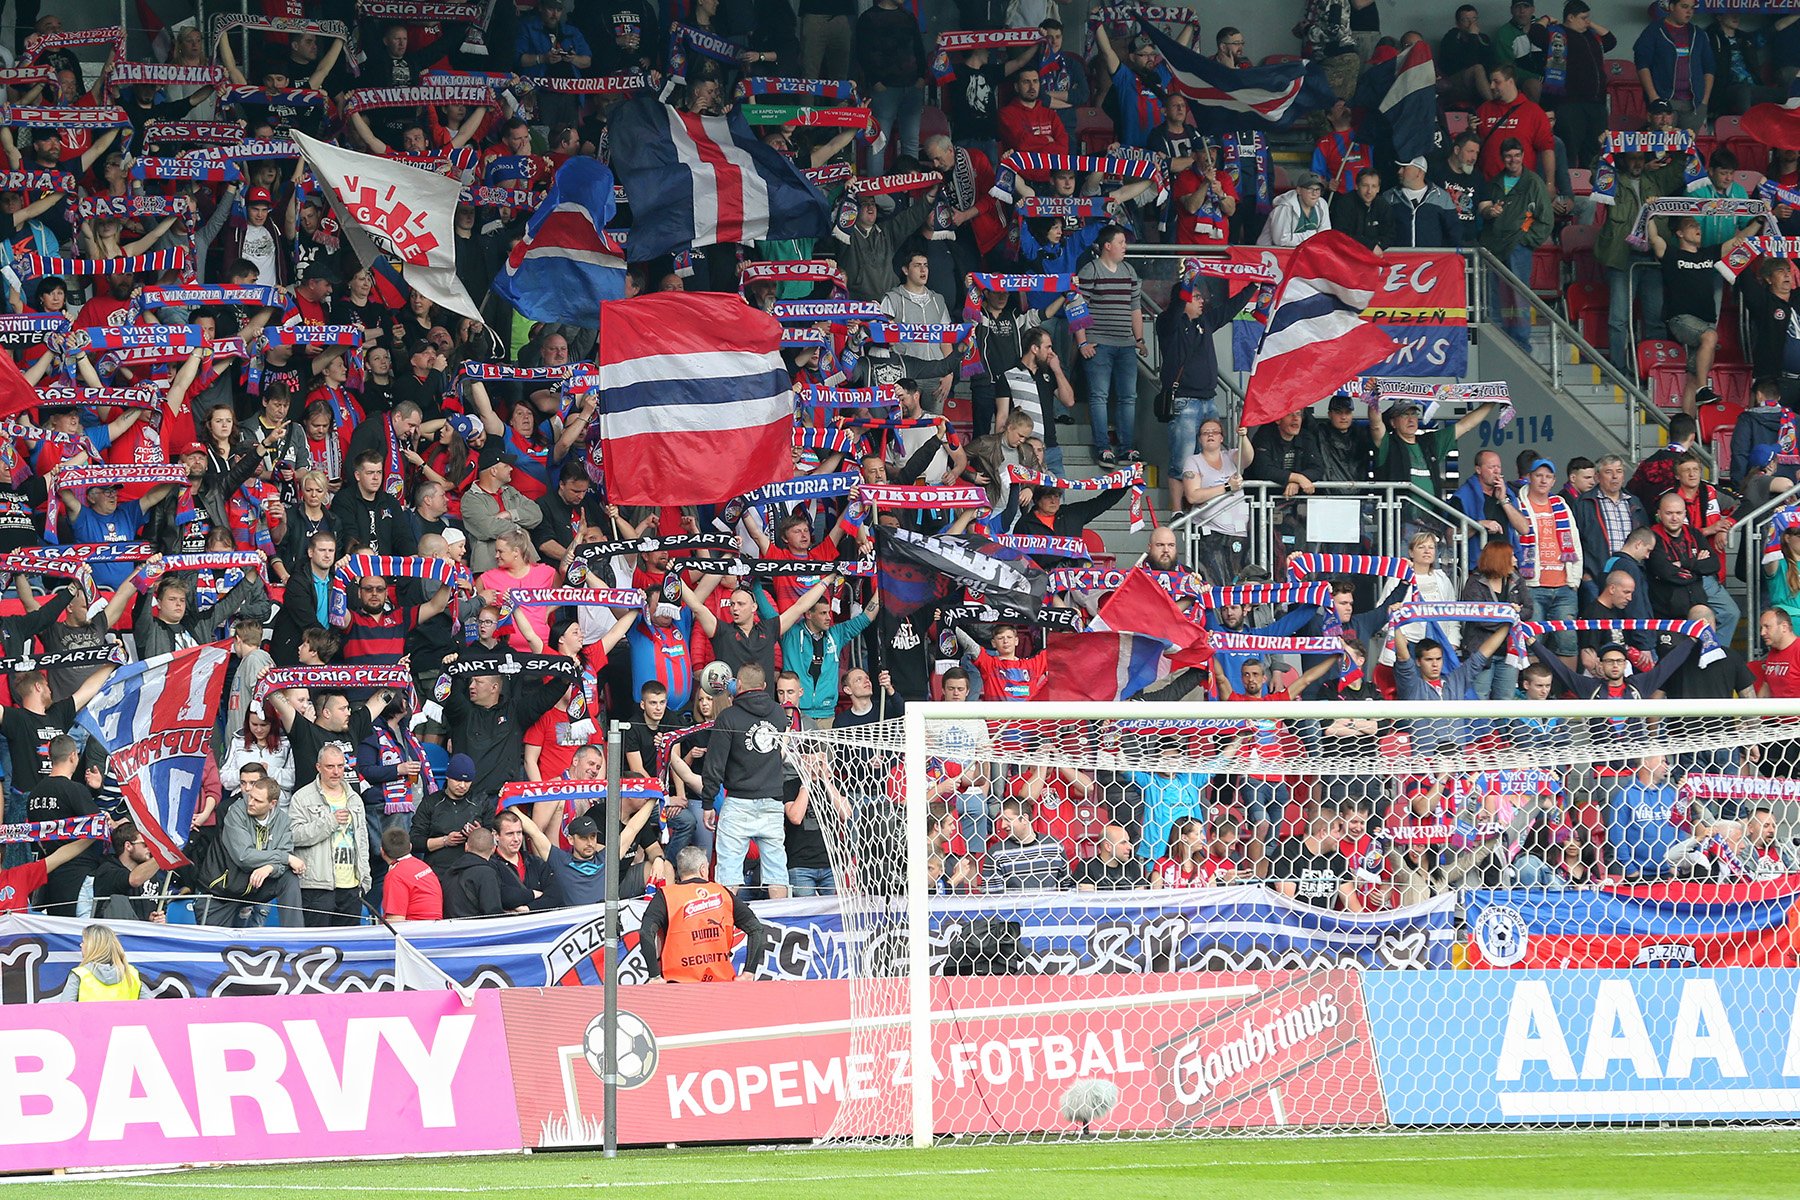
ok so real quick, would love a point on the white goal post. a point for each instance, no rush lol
(900, 756)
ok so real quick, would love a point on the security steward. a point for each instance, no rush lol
(686, 933)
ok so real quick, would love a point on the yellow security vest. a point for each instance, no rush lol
(93, 988)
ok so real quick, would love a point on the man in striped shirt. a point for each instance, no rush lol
(1029, 387)
(1111, 346)
(1025, 861)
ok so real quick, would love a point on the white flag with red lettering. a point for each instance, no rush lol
(398, 210)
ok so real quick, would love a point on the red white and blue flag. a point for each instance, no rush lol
(1400, 93)
(704, 181)
(1317, 338)
(1226, 100)
(156, 720)
(567, 263)
(695, 406)
(1101, 666)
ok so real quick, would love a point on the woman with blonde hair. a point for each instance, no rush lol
(103, 973)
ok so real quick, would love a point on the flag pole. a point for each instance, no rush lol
(610, 976)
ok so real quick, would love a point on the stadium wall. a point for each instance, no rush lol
(384, 1075)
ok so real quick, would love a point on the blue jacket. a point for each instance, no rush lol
(1655, 51)
(535, 39)
(1428, 735)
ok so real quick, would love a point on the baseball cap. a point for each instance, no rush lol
(1142, 42)
(1761, 457)
(190, 448)
(465, 426)
(259, 196)
(1544, 464)
(583, 826)
(1659, 106)
(1341, 403)
(461, 768)
(1308, 179)
(494, 452)
(1613, 648)
(1402, 407)
(1418, 160)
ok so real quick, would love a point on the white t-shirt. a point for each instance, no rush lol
(1231, 517)
(259, 248)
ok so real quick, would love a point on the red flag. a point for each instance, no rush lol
(1140, 605)
(1317, 339)
(1101, 666)
(16, 395)
(695, 406)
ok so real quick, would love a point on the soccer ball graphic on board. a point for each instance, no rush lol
(634, 1049)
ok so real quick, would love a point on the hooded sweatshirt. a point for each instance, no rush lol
(743, 758)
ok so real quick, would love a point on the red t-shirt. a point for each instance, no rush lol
(1779, 670)
(1497, 120)
(412, 892)
(1207, 226)
(17, 884)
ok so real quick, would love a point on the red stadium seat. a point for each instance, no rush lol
(933, 123)
(1721, 447)
(1093, 130)
(1666, 384)
(1726, 128)
(1577, 243)
(1275, 60)
(1732, 382)
(1620, 68)
(1280, 181)
(1653, 352)
(1704, 145)
(1581, 181)
(1546, 270)
(1587, 304)
(1457, 122)
(1628, 107)
(1750, 181)
(1751, 154)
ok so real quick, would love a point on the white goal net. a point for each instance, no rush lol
(1163, 920)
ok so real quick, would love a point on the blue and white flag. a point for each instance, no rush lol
(1224, 99)
(705, 181)
(567, 263)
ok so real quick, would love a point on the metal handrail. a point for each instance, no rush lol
(1391, 499)
(1560, 327)
(1480, 260)
(1755, 524)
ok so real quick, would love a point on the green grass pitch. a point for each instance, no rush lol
(1738, 1164)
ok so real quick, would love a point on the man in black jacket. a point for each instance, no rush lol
(493, 701)
(471, 888)
(743, 760)
(445, 819)
(1190, 369)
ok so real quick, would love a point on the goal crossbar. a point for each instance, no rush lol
(915, 745)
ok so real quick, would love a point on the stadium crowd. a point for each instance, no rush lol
(296, 456)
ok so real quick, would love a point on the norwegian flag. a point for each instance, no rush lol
(567, 263)
(695, 406)
(1225, 99)
(1317, 338)
(156, 719)
(704, 181)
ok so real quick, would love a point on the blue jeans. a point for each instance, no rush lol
(898, 110)
(1497, 681)
(1112, 377)
(1726, 613)
(686, 829)
(1184, 428)
(1053, 460)
(811, 881)
(742, 821)
(1511, 310)
(1556, 604)
(1264, 802)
